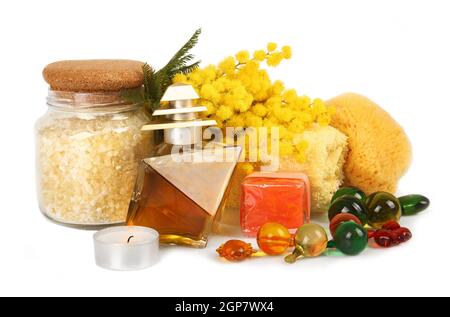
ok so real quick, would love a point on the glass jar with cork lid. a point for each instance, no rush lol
(89, 143)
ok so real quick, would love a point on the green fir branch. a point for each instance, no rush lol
(187, 69)
(156, 82)
(178, 59)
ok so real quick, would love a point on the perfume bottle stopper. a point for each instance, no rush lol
(179, 121)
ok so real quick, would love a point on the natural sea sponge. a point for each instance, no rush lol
(379, 150)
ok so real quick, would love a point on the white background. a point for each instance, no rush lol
(395, 52)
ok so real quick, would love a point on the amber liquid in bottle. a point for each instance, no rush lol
(162, 206)
(181, 199)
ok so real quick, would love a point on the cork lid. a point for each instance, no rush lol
(94, 75)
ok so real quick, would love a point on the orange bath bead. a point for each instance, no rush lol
(273, 238)
(235, 250)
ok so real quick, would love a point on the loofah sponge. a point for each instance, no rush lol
(379, 150)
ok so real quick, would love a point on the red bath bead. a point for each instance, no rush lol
(340, 218)
(371, 233)
(395, 238)
(384, 238)
(391, 225)
(402, 234)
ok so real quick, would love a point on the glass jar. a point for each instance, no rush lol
(88, 147)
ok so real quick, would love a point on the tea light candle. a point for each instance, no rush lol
(126, 248)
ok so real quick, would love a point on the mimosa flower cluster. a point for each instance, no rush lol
(239, 93)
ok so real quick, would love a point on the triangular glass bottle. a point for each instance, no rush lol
(181, 188)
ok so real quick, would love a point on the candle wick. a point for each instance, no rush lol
(129, 238)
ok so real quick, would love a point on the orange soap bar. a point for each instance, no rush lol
(274, 197)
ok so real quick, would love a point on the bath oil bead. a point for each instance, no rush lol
(391, 225)
(348, 204)
(402, 234)
(235, 250)
(384, 238)
(390, 236)
(283, 198)
(339, 218)
(310, 241)
(413, 204)
(273, 238)
(382, 207)
(350, 238)
(371, 233)
(349, 191)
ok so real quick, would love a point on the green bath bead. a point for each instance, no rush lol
(382, 208)
(349, 191)
(350, 238)
(413, 204)
(348, 204)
